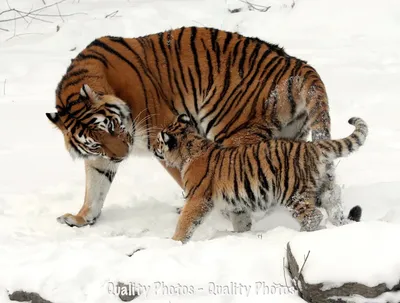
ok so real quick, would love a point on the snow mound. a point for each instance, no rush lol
(365, 253)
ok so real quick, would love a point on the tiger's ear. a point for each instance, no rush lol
(88, 93)
(169, 140)
(183, 118)
(55, 119)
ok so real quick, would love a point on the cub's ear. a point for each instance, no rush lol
(183, 118)
(88, 93)
(169, 140)
(55, 119)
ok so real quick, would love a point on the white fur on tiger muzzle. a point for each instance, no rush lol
(157, 150)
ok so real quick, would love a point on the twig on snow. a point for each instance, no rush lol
(295, 280)
(135, 251)
(235, 10)
(24, 34)
(59, 13)
(110, 15)
(304, 263)
(256, 7)
(35, 14)
(9, 6)
(284, 272)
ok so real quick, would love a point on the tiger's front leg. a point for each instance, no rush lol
(99, 176)
(192, 215)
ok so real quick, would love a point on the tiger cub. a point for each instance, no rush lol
(250, 177)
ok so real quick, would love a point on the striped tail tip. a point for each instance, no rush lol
(355, 213)
(353, 120)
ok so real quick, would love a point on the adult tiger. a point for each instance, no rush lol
(236, 89)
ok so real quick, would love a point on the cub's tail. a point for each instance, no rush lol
(333, 149)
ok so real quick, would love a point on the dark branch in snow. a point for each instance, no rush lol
(35, 14)
(24, 34)
(235, 10)
(110, 15)
(135, 251)
(59, 13)
(318, 293)
(256, 7)
(304, 263)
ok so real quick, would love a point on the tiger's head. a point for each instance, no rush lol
(103, 129)
(175, 142)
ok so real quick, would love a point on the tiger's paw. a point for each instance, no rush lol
(75, 221)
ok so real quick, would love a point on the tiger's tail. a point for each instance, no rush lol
(333, 149)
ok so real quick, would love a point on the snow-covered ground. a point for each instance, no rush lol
(353, 45)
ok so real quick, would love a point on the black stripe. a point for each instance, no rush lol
(215, 46)
(195, 56)
(109, 174)
(165, 54)
(290, 97)
(178, 58)
(288, 146)
(155, 58)
(194, 91)
(243, 57)
(261, 175)
(235, 175)
(349, 144)
(227, 40)
(210, 69)
(236, 50)
(82, 57)
(180, 38)
(356, 137)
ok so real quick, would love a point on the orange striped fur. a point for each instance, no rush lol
(251, 177)
(119, 91)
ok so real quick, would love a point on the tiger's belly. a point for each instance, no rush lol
(252, 202)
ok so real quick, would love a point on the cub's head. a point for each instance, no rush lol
(171, 143)
(95, 125)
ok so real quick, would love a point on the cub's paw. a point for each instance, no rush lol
(77, 221)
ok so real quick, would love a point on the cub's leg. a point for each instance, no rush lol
(329, 195)
(99, 176)
(192, 215)
(304, 210)
(241, 220)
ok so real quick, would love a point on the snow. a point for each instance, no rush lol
(331, 249)
(352, 44)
